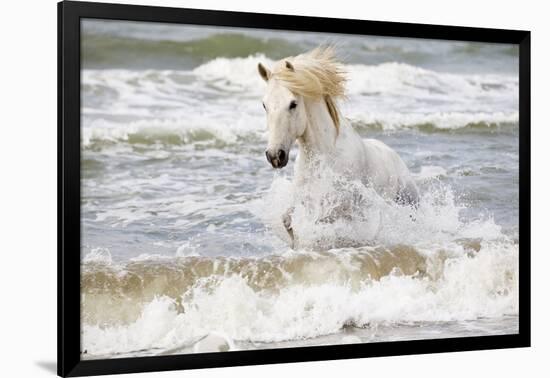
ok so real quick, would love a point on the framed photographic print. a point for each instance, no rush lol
(239, 188)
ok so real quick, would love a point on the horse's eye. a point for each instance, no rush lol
(264, 106)
(293, 105)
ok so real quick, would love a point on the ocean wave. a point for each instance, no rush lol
(148, 276)
(398, 80)
(220, 100)
(402, 80)
(468, 123)
(430, 172)
(102, 133)
(405, 269)
(285, 297)
(102, 50)
(390, 78)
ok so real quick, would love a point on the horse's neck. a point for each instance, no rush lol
(320, 135)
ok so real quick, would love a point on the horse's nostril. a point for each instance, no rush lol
(281, 155)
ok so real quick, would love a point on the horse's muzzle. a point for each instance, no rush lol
(277, 159)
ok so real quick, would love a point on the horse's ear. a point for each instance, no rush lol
(264, 72)
(289, 65)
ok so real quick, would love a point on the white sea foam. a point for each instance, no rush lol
(183, 130)
(369, 218)
(222, 98)
(439, 120)
(187, 249)
(98, 255)
(469, 287)
(460, 283)
(403, 80)
(236, 74)
(430, 172)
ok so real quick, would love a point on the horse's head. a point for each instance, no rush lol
(286, 117)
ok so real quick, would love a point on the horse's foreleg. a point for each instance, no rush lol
(287, 222)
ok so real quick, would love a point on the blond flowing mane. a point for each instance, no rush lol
(315, 74)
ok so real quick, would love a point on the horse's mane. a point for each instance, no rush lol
(315, 74)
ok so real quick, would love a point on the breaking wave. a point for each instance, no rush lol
(167, 106)
(165, 303)
(435, 267)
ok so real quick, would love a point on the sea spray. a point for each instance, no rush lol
(285, 297)
(182, 236)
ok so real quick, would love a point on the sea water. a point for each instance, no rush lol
(182, 238)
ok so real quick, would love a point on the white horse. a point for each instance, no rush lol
(300, 103)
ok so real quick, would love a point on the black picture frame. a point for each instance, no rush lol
(69, 16)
